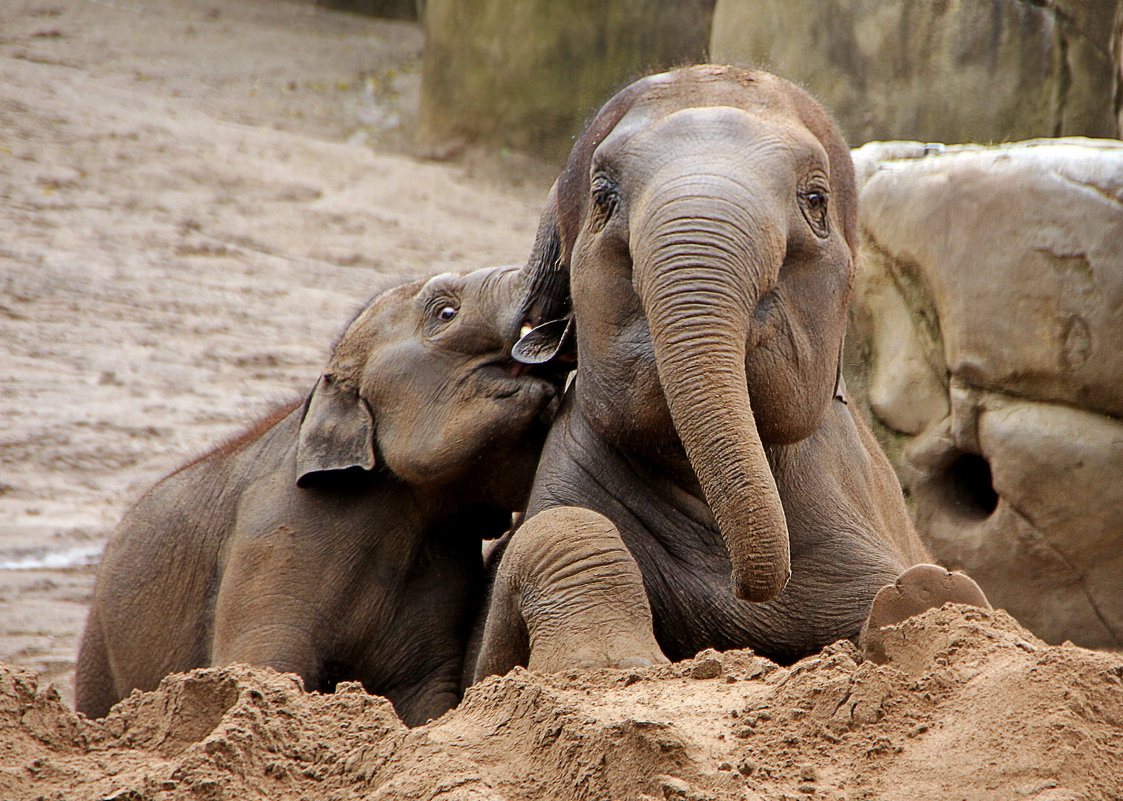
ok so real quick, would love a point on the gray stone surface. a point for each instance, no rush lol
(953, 71)
(389, 9)
(987, 341)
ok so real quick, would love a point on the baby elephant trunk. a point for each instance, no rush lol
(698, 274)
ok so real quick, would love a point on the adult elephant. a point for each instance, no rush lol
(340, 540)
(702, 238)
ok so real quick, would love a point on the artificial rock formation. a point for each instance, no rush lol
(390, 9)
(952, 71)
(525, 74)
(987, 339)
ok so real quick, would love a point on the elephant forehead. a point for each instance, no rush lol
(703, 131)
(482, 282)
(717, 85)
(379, 310)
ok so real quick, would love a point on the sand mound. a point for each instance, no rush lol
(970, 706)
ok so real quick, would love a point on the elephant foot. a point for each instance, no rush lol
(622, 653)
(567, 595)
(916, 590)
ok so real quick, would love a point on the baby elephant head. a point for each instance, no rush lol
(704, 229)
(422, 385)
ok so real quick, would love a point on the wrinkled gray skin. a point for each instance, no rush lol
(341, 540)
(704, 231)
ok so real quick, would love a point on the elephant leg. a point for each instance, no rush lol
(504, 642)
(94, 688)
(265, 611)
(568, 594)
(916, 590)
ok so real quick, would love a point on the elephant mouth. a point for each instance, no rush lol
(503, 377)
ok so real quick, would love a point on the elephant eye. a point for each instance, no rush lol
(442, 309)
(813, 204)
(606, 198)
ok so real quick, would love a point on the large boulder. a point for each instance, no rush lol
(987, 339)
(525, 74)
(950, 71)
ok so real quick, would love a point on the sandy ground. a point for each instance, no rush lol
(972, 708)
(195, 198)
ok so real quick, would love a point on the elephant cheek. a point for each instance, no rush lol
(789, 407)
(793, 372)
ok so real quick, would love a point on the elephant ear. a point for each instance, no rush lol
(337, 432)
(546, 274)
(546, 298)
(547, 342)
(572, 187)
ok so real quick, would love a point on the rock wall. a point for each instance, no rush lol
(948, 71)
(987, 339)
(388, 9)
(525, 74)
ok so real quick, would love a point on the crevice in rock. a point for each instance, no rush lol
(1115, 58)
(1099, 190)
(1064, 80)
(908, 278)
(1080, 579)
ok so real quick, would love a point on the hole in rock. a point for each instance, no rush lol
(968, 482)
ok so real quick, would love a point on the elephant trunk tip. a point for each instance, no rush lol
(751, 583)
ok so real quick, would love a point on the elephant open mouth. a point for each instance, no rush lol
(504, 377)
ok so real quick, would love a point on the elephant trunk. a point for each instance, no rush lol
(699, 264)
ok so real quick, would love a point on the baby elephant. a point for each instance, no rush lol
(340, 540)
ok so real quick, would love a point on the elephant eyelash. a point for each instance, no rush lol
(439, 309)
(605, 198)
(813, 204)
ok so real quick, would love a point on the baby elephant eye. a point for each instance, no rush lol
(446, 313)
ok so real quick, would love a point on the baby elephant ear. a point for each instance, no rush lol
(337, 431)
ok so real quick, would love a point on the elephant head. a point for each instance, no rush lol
(422, 384)
(702, 233)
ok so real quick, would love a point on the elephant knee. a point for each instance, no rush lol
(578, 591)
(561, 543)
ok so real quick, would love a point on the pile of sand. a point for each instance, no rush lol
(971, 706)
